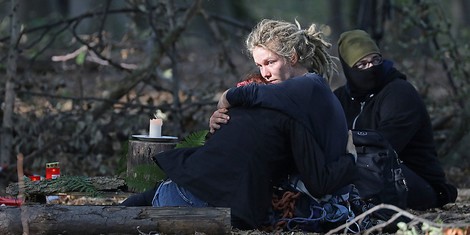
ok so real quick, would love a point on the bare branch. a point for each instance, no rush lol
(400, 212)
(93, 49)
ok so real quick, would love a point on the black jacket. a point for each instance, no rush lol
(240, 163)
(298, 128)
(309, 100)
(399, 114)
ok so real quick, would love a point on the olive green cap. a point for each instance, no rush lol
(354, 45)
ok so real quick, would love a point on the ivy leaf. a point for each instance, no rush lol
(80, 59)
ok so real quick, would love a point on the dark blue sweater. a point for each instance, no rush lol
(309, 100)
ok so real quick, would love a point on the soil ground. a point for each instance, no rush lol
(454, 218)
(454, 215)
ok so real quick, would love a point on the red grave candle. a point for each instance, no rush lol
(35, 177)
(52, 170)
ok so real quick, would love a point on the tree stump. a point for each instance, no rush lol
(140, 165)
(58, 219)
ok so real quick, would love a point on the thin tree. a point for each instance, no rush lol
(7, 124)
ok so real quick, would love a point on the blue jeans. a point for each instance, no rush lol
(170, 194)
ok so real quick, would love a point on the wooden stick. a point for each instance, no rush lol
(19, 168)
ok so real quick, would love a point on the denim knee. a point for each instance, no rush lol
(170, 194)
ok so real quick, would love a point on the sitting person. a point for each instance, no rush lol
(238, 166)
(145, 198)
(377, 96)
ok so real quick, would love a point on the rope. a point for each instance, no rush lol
(286, 204)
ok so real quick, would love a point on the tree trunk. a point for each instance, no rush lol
(336, 18)
(142, 171)
(80, 220)
(7, 126)
(141, 153)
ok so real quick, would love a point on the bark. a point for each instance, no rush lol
(336, 16)
(139, 157)
(7, 124)
(58, 219)
(141, 153)
(43, 187)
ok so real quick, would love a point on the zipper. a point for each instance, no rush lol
(363, 103)
(357, 116)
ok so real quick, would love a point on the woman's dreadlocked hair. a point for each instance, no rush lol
(288, 40)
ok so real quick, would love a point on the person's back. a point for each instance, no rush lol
(238, 165)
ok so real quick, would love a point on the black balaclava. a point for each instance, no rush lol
(353, 46)
(363, 82)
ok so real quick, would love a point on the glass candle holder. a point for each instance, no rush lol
(35, 177)
(52, 170)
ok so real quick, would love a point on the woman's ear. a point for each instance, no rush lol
(294, 59)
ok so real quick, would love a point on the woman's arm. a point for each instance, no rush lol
(321, 178)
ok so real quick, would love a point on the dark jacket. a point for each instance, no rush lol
(309, 100)
(299, 128)
(397, 111)
(240, 163)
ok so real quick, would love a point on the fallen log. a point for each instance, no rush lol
(59, 219)
(48, 187)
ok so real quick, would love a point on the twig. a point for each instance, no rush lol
(90, 46)
(400, 212)
(70, 55)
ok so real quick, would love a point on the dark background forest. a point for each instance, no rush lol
(79, 77)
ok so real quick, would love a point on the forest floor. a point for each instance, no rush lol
(451, 216)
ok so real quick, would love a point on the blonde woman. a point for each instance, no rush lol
(297, 127)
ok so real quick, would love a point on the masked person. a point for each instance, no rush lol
(377, 96)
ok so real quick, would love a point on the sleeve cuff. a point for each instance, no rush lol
(353, 158)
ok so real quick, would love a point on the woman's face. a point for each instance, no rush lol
(273, 68)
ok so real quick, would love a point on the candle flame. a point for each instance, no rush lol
(159, 114)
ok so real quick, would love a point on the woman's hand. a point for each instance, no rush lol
(218, 117)
(350, 147)
(223, 102)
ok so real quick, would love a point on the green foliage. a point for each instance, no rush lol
(405, 229)
(80, 60)
(437, 59)
(74, 184)
(145, 176)
(194, 139)
(122, 163)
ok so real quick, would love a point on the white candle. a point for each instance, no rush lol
(155, 127)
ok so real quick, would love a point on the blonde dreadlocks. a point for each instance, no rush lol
(288, 40)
